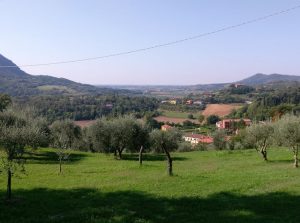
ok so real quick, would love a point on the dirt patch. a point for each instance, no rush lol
(84, 123)
(220, 109)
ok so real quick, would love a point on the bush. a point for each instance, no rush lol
(219, 137)
(190, 116)
(185, 147)
(212, 119)
(201, 147)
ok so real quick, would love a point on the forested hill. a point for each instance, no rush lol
(260, 79)
(15, 82)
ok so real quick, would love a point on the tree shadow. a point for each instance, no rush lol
(291, 161)
(89, 205)
(150, 157)
(49, 157)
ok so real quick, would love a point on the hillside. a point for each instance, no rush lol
(210, 186)
(259, 79)
(15, 82)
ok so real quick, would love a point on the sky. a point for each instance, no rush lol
(35, 31)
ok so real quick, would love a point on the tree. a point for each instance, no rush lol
(190, 116)
(16, 133)
(5, 100)
(212, 119)
(118, 134)
(219, 139)
(260, 135)
(166, 141)
(287, 131)
(64, 133)
(201, 118)
(126, 133)
(100, 135)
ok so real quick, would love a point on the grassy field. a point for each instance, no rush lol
(178, 114)
(212, 186)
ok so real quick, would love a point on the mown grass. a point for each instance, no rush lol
(212, 186)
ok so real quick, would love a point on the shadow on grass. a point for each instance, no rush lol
(291, 161)
(49, 157)
(88, 205)
(150, 157)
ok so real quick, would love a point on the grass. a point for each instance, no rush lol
(212, 186)
(178, 114)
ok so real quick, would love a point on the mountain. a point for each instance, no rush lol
(15, 82)
(261, 79)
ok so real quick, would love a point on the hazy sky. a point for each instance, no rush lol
(38, 31)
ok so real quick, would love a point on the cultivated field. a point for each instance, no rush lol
(213, 186)
(220, 109)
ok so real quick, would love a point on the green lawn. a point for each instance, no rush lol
(207, 186)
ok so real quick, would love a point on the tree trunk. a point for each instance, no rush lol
(141, 155)
(296, 157)
(8, 184)
(264, 154)
(169, 159)
(120, 153)
(60, 163)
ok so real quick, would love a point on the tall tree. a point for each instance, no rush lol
(166, 141)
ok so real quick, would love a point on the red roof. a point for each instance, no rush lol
(166, 127)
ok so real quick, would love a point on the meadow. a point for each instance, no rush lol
(209, 186)
(178, 114)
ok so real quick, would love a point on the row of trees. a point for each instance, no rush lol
(285, 132)
(24, 130)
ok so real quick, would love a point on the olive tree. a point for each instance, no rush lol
(201, 118)
(260, 136)
(287, 131)
(16, 133)
(219, 139)
(118, 134)
(100, 135)
(5, 100)
(166, 141)
(64, 133)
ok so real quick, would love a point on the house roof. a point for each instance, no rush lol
(166, 127)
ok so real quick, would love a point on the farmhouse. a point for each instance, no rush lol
(173, 102)
(197, 138)
(189, 102)
(166, 127)
(227, 123)
(198, 102)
